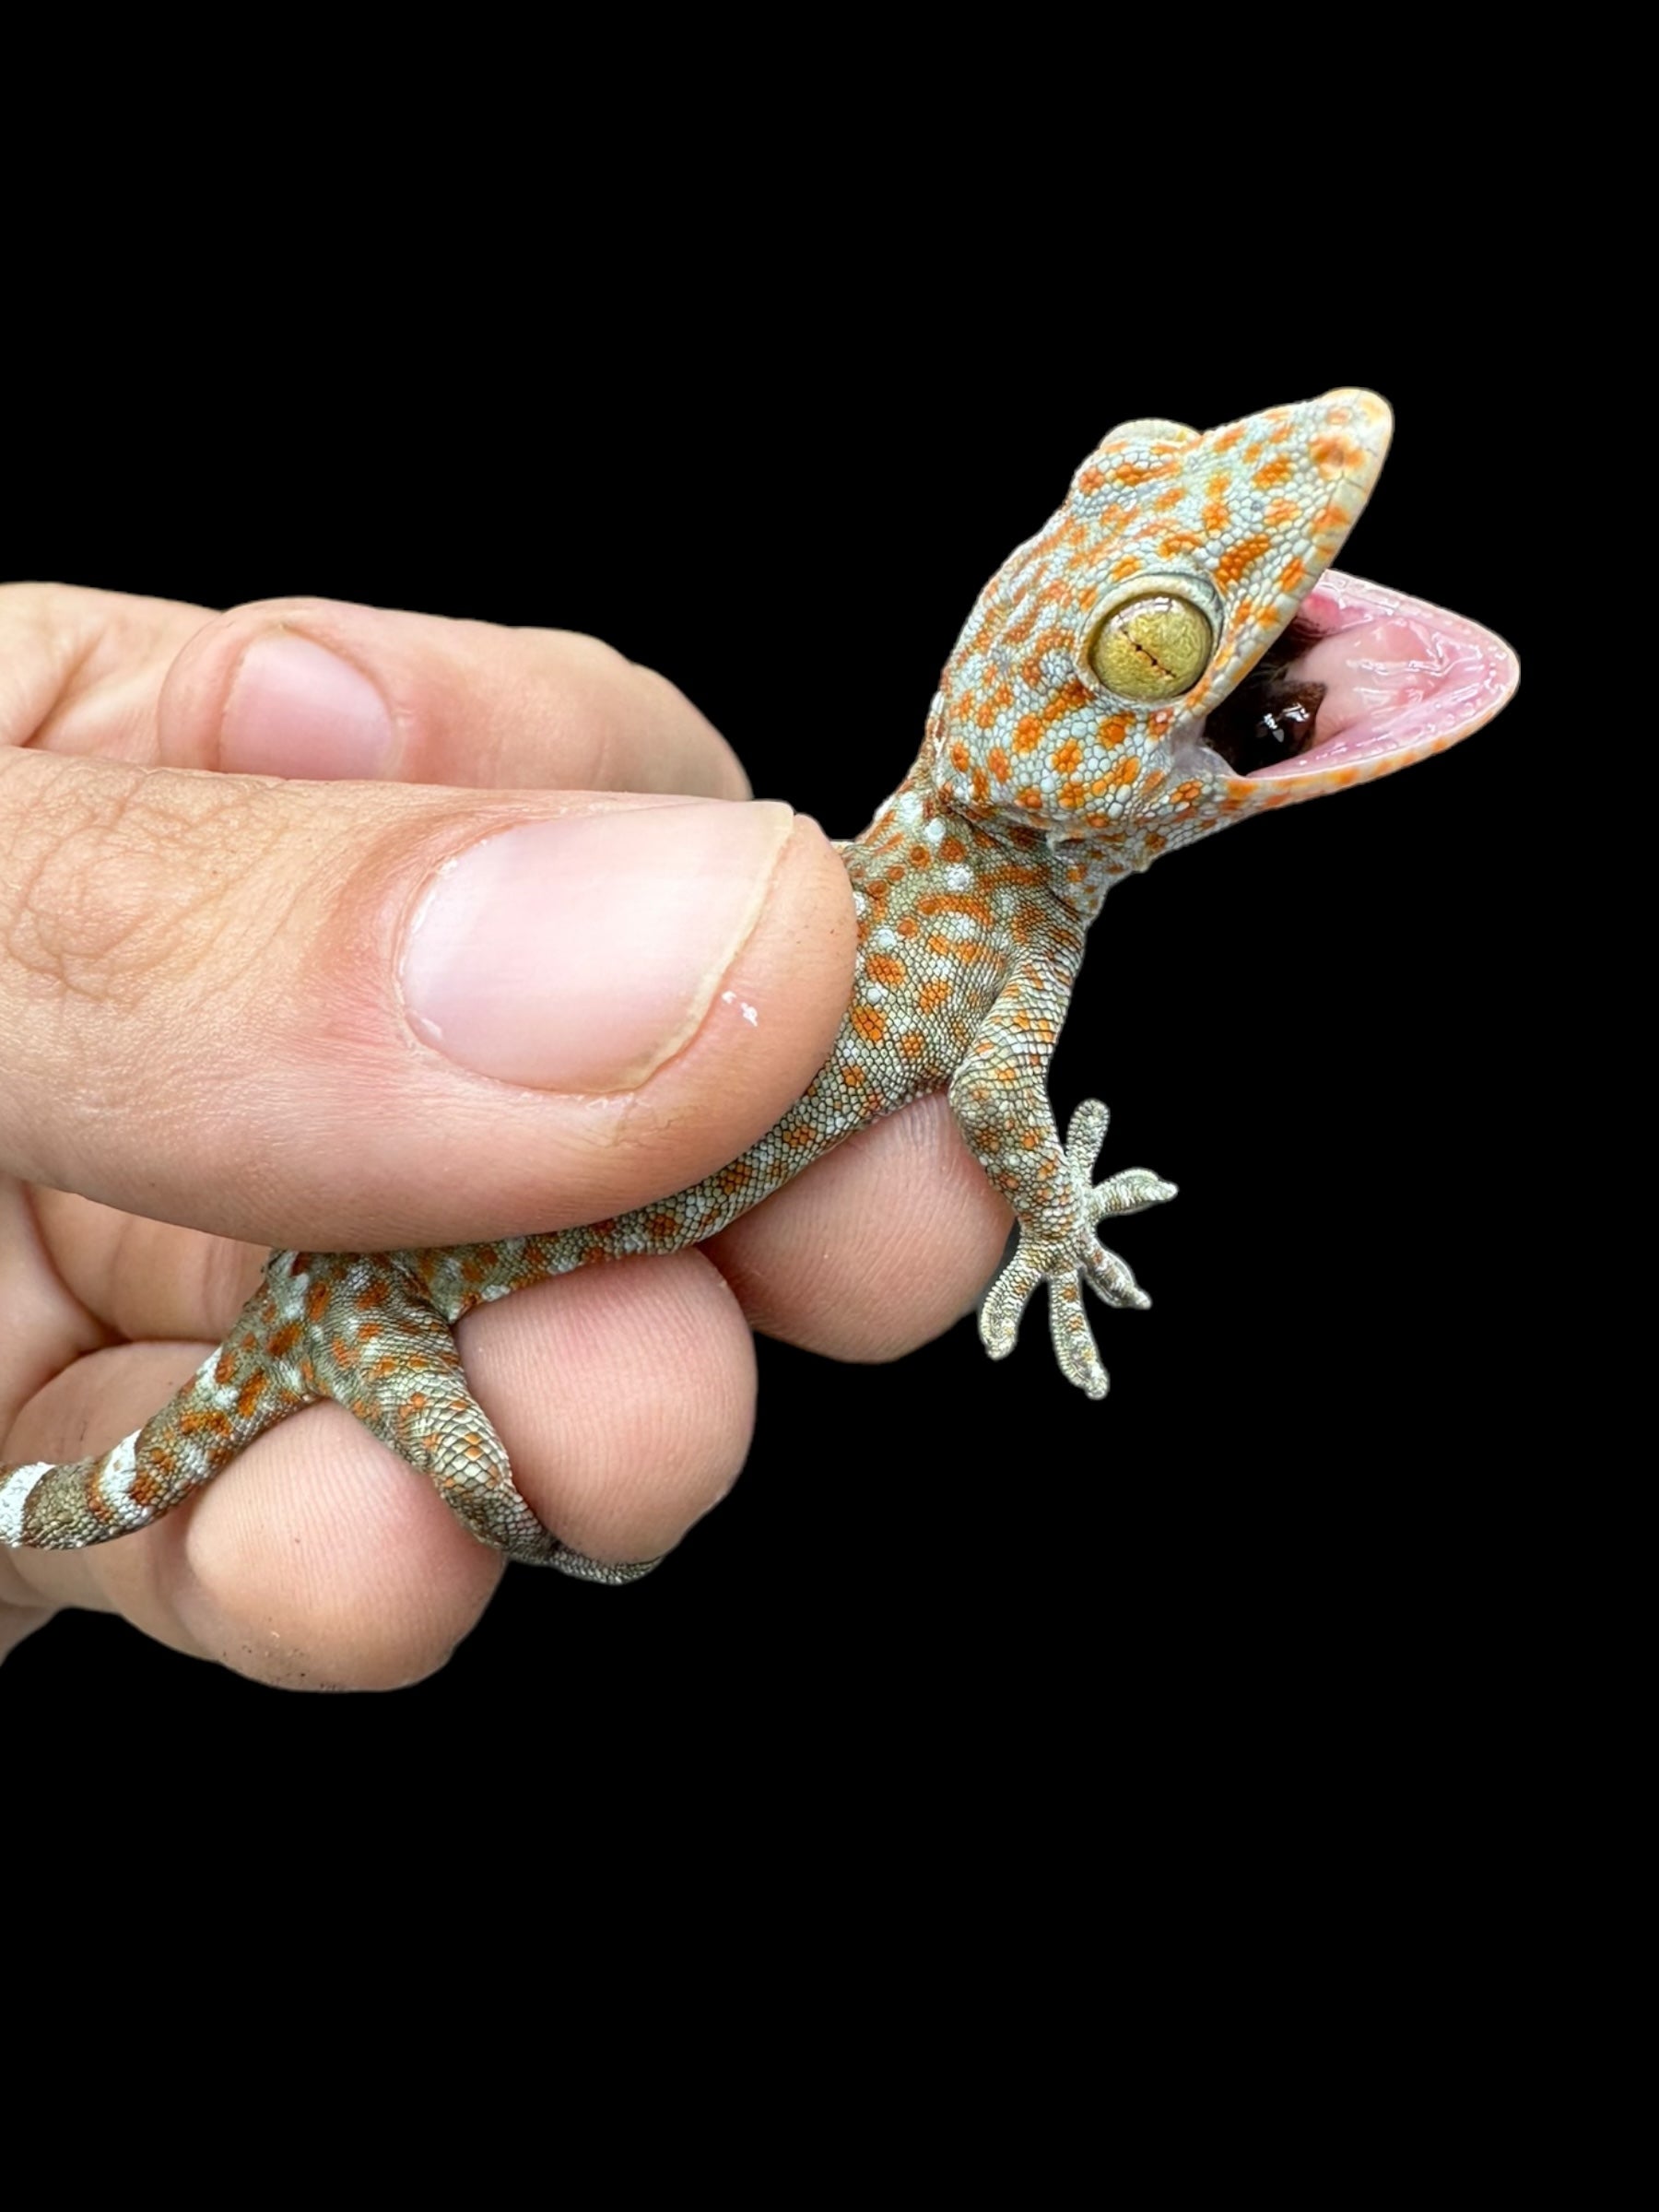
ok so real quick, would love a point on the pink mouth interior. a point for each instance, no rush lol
(1401, 677)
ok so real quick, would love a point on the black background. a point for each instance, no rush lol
(1325, 1026)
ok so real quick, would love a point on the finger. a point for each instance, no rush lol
(887, 1242)
(348, 1014)
(327, 690)
(319, 1561)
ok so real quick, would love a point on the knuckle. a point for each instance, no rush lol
(111, 879)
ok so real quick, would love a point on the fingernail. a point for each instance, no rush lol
(297, 709)
(580, 954)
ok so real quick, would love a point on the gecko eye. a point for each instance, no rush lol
(1153, 647)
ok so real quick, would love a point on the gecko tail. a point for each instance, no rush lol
(358, 1329)
(177, 1452)
(237, 1393)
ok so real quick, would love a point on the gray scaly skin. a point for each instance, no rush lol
(1071, 742)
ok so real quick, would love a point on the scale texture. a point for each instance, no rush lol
(1067, 746)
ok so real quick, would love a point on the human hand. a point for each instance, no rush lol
(220, 1038)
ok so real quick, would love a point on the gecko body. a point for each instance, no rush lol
(1171, 653)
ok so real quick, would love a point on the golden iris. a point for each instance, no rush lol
(1155, 647)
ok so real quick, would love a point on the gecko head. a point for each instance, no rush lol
(1175, 651)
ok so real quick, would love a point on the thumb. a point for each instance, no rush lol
(378, 1014)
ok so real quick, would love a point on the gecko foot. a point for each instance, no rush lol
(380, 1348)
(1070, 1255)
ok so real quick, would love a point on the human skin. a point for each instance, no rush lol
(313, 932)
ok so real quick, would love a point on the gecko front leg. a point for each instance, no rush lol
(999, 1096)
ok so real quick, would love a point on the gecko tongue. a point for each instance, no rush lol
(1370, 680)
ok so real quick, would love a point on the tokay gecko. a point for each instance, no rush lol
(1171, 653)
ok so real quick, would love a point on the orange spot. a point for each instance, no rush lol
(149, 1485)
(957, 902)
(1278, 514)
(1223, 439)
(249, 1396)
(912, 1044)
(661, 1225)
(1090, 479)
(1274, 473)
(882, 968)
(1237, 559)
(1029, 796)
(960, 757)
(1126, 567)
(1214, 517)
(933, 995)
(1066, 757)
(870, 1022)
(1178, 541)
(1290, 575)
(1337, 455)
(852, 1077)
(1186, 795)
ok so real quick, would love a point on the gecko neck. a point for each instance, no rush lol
(920, 839)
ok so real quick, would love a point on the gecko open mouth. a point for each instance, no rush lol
(1362, 680)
